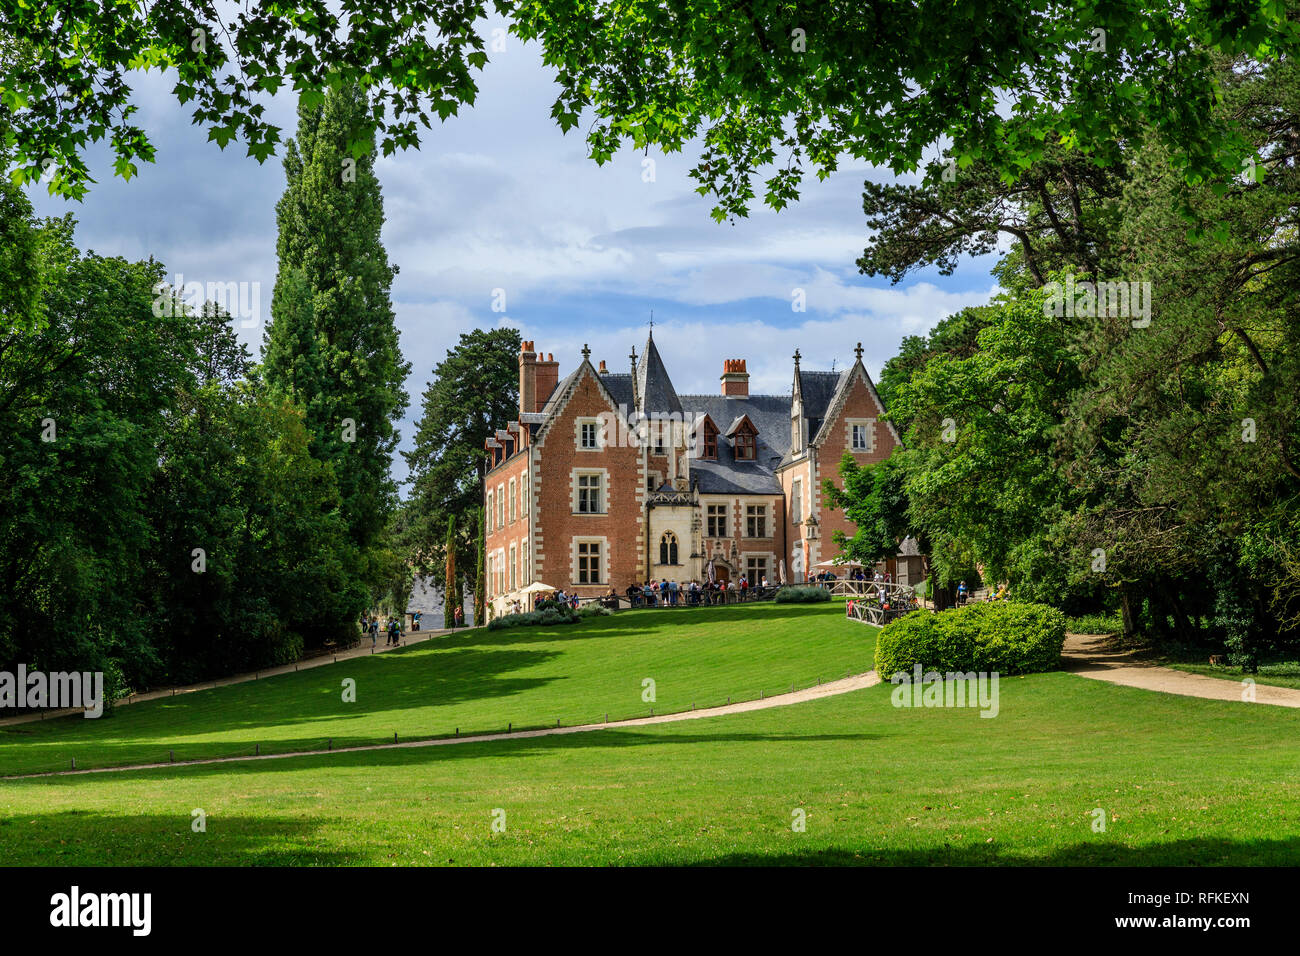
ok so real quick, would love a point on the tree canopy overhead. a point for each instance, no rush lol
(773, 88)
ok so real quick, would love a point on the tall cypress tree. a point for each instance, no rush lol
(480, 576)
(332, 344)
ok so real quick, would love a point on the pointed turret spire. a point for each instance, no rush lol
(654, 389)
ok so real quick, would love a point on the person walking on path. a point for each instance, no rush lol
(374, 631)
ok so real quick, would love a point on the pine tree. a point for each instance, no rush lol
(332, 345)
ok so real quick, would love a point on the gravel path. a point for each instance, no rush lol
(1089, 656)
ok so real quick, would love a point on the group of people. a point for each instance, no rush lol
(371, 625)
(559, 597)
(665, 593)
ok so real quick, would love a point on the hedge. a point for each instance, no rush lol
(1003, 637)
(802, 594)
(549, 613)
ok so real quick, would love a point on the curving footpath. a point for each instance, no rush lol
(1088, 655)
(829, 689)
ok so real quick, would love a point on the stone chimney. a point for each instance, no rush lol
(527, 378)
(548, 376)
(735, 380)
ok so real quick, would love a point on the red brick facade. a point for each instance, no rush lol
(576, 500)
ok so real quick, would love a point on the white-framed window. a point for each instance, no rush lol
(523, 497)
(755, 569)
(513, 499)
(862, 434)
(796, 501)
(717, 520)
(501, 506)
(513, 565)
(490, 512)
(523, 564)
(756, 521)
(589, 562)
(491, 570)
(590, 498)
(588, 434)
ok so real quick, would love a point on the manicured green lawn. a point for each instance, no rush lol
(477, 680)
(1182, 781)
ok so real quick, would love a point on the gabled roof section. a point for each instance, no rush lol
(654, 389)
(817, 389)
(565, 389)
(737, 423)
(836, 406)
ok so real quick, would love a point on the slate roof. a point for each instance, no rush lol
(819, 390)
(620, 386)
(770, 415)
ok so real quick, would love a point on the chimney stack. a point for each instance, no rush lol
(527, 378)
(735, 380)
(548, 377)
(603, 370)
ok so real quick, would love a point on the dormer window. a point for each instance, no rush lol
(709, 446)
(744, 439)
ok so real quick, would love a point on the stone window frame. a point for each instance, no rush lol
(769, 566)
(602, 558)
(724, 514)
(514, 500)
(669, 548)
(869, 425)
(766, 515)
(603, 490)
(594, 422)
(491, 510)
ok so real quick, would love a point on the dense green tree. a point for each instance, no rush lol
(332, 345)
(473, 392)
(874, 498)
(1058, 213)
(1131, 451)
(87, 381)
(252, 555)
(767, 84)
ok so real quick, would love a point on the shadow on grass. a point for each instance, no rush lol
(310, 699)
(386, 757)
(89, 838)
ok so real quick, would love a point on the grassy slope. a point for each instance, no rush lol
(475, 681)
(1183, 781)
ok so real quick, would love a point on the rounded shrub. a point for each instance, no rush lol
(1003, 637)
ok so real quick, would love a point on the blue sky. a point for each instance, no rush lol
(498, 198)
